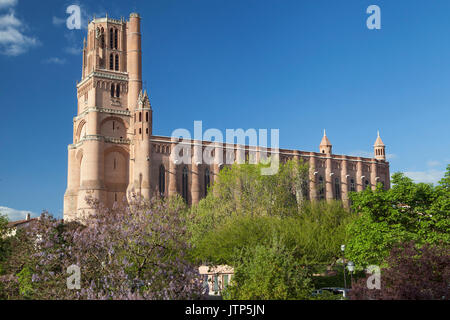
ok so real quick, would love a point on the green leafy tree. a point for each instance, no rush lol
(245, 208)
(268, 272)
(409, 211)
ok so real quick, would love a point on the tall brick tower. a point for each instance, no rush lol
(112, 129)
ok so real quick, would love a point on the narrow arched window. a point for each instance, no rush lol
(366, 183)
(117, 63)
(337, 189)
(207, 181)
(321, 188)
(102, 38)
(111, 44)
(140, 116)
(162, 180)
(146, 116)
(111, 62)
(184, 184)
(117, 90)
(112, 89)
(352, 185)
(116, 37)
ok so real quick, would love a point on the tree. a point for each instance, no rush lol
(245, 208)
(4, 241)
(266, 272)
(408, 211)
(413, 273)
(132, 251)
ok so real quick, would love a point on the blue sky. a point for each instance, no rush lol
(299, 66)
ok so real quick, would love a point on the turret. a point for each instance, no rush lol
(325, 144)
(379, 149)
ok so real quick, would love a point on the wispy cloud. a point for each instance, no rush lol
(7, 3)
(54, 60)
(14, 214)
(58, 21)
(13, 40)
(433, 163)
(427, 176)
(431, 175)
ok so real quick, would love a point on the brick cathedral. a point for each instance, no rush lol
(114, 150)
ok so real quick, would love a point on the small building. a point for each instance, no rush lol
(20, 224)
(216, 278)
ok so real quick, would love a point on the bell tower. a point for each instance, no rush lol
(379, 149)
(107, 143)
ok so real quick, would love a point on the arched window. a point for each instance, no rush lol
(352, 185)
(366, 183)
(321, 188)
(146, 116)
(117, 62)
(102, 38)
(112, 89)
(111, 62)
(207, 181)
(140, 116)
(184, 184)
(337, 189)
(111, 44)
(117, 90)
(116, 37)
(162, 180)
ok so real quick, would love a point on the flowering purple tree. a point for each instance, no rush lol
(413, 273)
(132, 251)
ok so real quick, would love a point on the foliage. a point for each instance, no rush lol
(25, 282)
(266, 272)
(408, 211)
(222, 222)
(412, 274)
(132, 251)
(242, 190)
(314, 235)
(4, 242)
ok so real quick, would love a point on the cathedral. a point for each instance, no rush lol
(114, 150)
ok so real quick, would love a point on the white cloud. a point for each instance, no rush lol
(433, 163)
(15, 215)
(54, 60)
(73, 50)
(58, 21)
(7, 3)
(13, 41)
(428, 176)
(9, 20)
